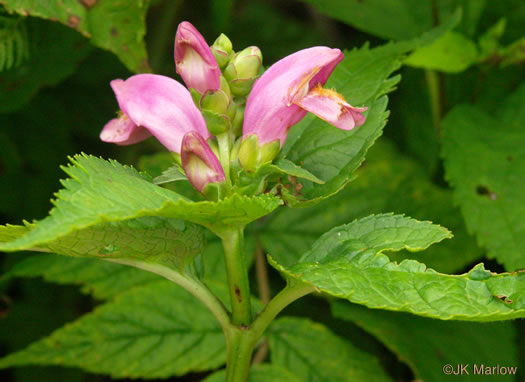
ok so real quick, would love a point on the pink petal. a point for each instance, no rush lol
(194, 59)
(270, 109)
(161, 105)
(123, 131)
(332, 107)
(199, 162)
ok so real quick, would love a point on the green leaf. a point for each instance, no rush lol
(259, 373)
(156, 331)
(332, 154)
(172, 174)
(347, 262)
(102, 191)
(398, 19)
(108, 24)
(54, 55)
(168, 241)
(102, 279)
(452, 53)
(389, 19)
(14, 44)
(445, 342)
(485, 166)
(289, 168)
(387, 182)
(295, 344)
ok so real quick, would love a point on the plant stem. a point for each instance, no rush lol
(264, 294)
(435, 98)
(241, 343)
(289, 294)
(224, 155)
(195, 287)
(237, 272)
(242, 340)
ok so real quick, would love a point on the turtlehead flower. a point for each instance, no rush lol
(199, 162)
(157, 104)
(194, 60)
(289, 89)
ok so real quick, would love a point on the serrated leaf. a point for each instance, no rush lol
(171, 242)
(388, 181)
(451, 53)
(156, 331)
(259, 373)
(485, 166)
(295, 344)
(347, 263)
(102, 191)
(445, 342)
(172, 174)
(108, 24)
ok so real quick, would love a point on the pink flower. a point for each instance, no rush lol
(194, 60)
(199, 162)
(156, 105)
(290, 88)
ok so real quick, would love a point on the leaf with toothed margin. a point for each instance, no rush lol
(101, 191)
(155, 331)
(347, 262)
(171, 242)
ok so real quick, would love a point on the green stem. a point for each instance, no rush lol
(193, 286)
(241, 343)
(224, 155)
(285, 297)
(242, 340)
(434, 91)
(237, 272)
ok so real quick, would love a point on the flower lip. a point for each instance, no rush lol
(162, 106)
(123, 131)
(194, 59)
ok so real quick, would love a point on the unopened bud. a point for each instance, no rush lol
(251, 155)
(200, 163)
(243, 70)
(222, 50)
(218, 109)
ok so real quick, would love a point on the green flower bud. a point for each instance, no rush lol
(243, 70)
(251, 155)
(222, 50)
(238, 120)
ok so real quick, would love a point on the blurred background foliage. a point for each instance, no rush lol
(56, 62)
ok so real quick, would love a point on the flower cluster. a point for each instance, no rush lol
(230, 109)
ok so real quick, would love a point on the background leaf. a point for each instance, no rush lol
(295, 344)
(156, 331)
(116, 25)
(446, 342)
(487, 172)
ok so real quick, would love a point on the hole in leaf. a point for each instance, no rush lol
(484, 191)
